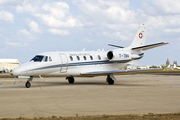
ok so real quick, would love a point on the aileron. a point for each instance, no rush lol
(118, 71)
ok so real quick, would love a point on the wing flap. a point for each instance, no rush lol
(117, 71)
(146, 47)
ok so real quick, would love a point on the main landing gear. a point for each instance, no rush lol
(70, 79)
(110, 79)
(28, 84)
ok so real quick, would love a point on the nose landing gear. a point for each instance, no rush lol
(28, 84)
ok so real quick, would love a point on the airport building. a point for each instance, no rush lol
(6, 65)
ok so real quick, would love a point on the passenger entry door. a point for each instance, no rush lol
(64, 63)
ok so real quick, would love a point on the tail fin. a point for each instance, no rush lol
(140, 37)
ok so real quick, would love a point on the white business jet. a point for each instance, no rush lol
(86, 63)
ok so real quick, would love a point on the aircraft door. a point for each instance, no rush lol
(64, 63)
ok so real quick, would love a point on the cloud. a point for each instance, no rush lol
(20, 38)
(17, 44)
(28, 7)
(117, 35)
(91, 41)
(6, 16)
(57, 15)
(172, 30)
(24, 32)
(52, 14)
(52, 21)
(58, 31)
(34, 27)
(106, 13)
(10, 2)
(167, 6)
(24, 35)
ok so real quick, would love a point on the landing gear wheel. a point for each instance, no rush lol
(71, 80)
(28, 84)
(110, 81)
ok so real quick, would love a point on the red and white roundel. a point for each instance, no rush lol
(140, 35)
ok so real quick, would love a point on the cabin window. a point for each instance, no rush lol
(91, 57)
(78, 58)
(126, 55)
(99, 57)
(71, 58)
(45, 59)
(50, 59)
(37, 58)
(84, 57)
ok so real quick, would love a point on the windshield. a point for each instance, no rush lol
(37, 58)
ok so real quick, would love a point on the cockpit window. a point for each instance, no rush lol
(45, 59)
(37, 58)
(50, 59)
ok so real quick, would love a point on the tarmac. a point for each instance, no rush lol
(131, 94)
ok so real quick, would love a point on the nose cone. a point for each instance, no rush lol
(17, 71)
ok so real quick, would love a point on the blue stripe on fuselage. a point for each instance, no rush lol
(82, 64)
(141, 54)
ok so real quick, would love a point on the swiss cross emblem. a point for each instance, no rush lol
(140, 35)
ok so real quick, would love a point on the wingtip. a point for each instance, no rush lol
(165, 42)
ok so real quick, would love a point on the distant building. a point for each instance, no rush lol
(175, 63)
(167, 62)
(6, 65)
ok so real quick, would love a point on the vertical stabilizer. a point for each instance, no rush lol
(140, 37)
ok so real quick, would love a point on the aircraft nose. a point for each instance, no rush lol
(13, 72)
(16, 72)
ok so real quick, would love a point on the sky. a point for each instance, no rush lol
(29, 27)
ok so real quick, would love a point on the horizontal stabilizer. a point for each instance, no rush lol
(115, 46)
(146, 47)
(118, 71)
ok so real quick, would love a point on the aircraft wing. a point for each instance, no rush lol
(118, 71)
(146, 47)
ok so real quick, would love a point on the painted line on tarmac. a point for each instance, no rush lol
(8, 83)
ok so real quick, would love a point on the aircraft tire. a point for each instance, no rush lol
(110, 81)
(71, 80)
(28, 84)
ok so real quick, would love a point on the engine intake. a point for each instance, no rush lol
(110, 55)
(118, 55)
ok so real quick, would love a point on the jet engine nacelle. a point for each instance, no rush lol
(118, 55)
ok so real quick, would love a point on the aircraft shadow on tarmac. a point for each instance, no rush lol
(61, 84)
(37, 84)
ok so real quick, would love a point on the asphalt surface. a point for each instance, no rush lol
(131, 94)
